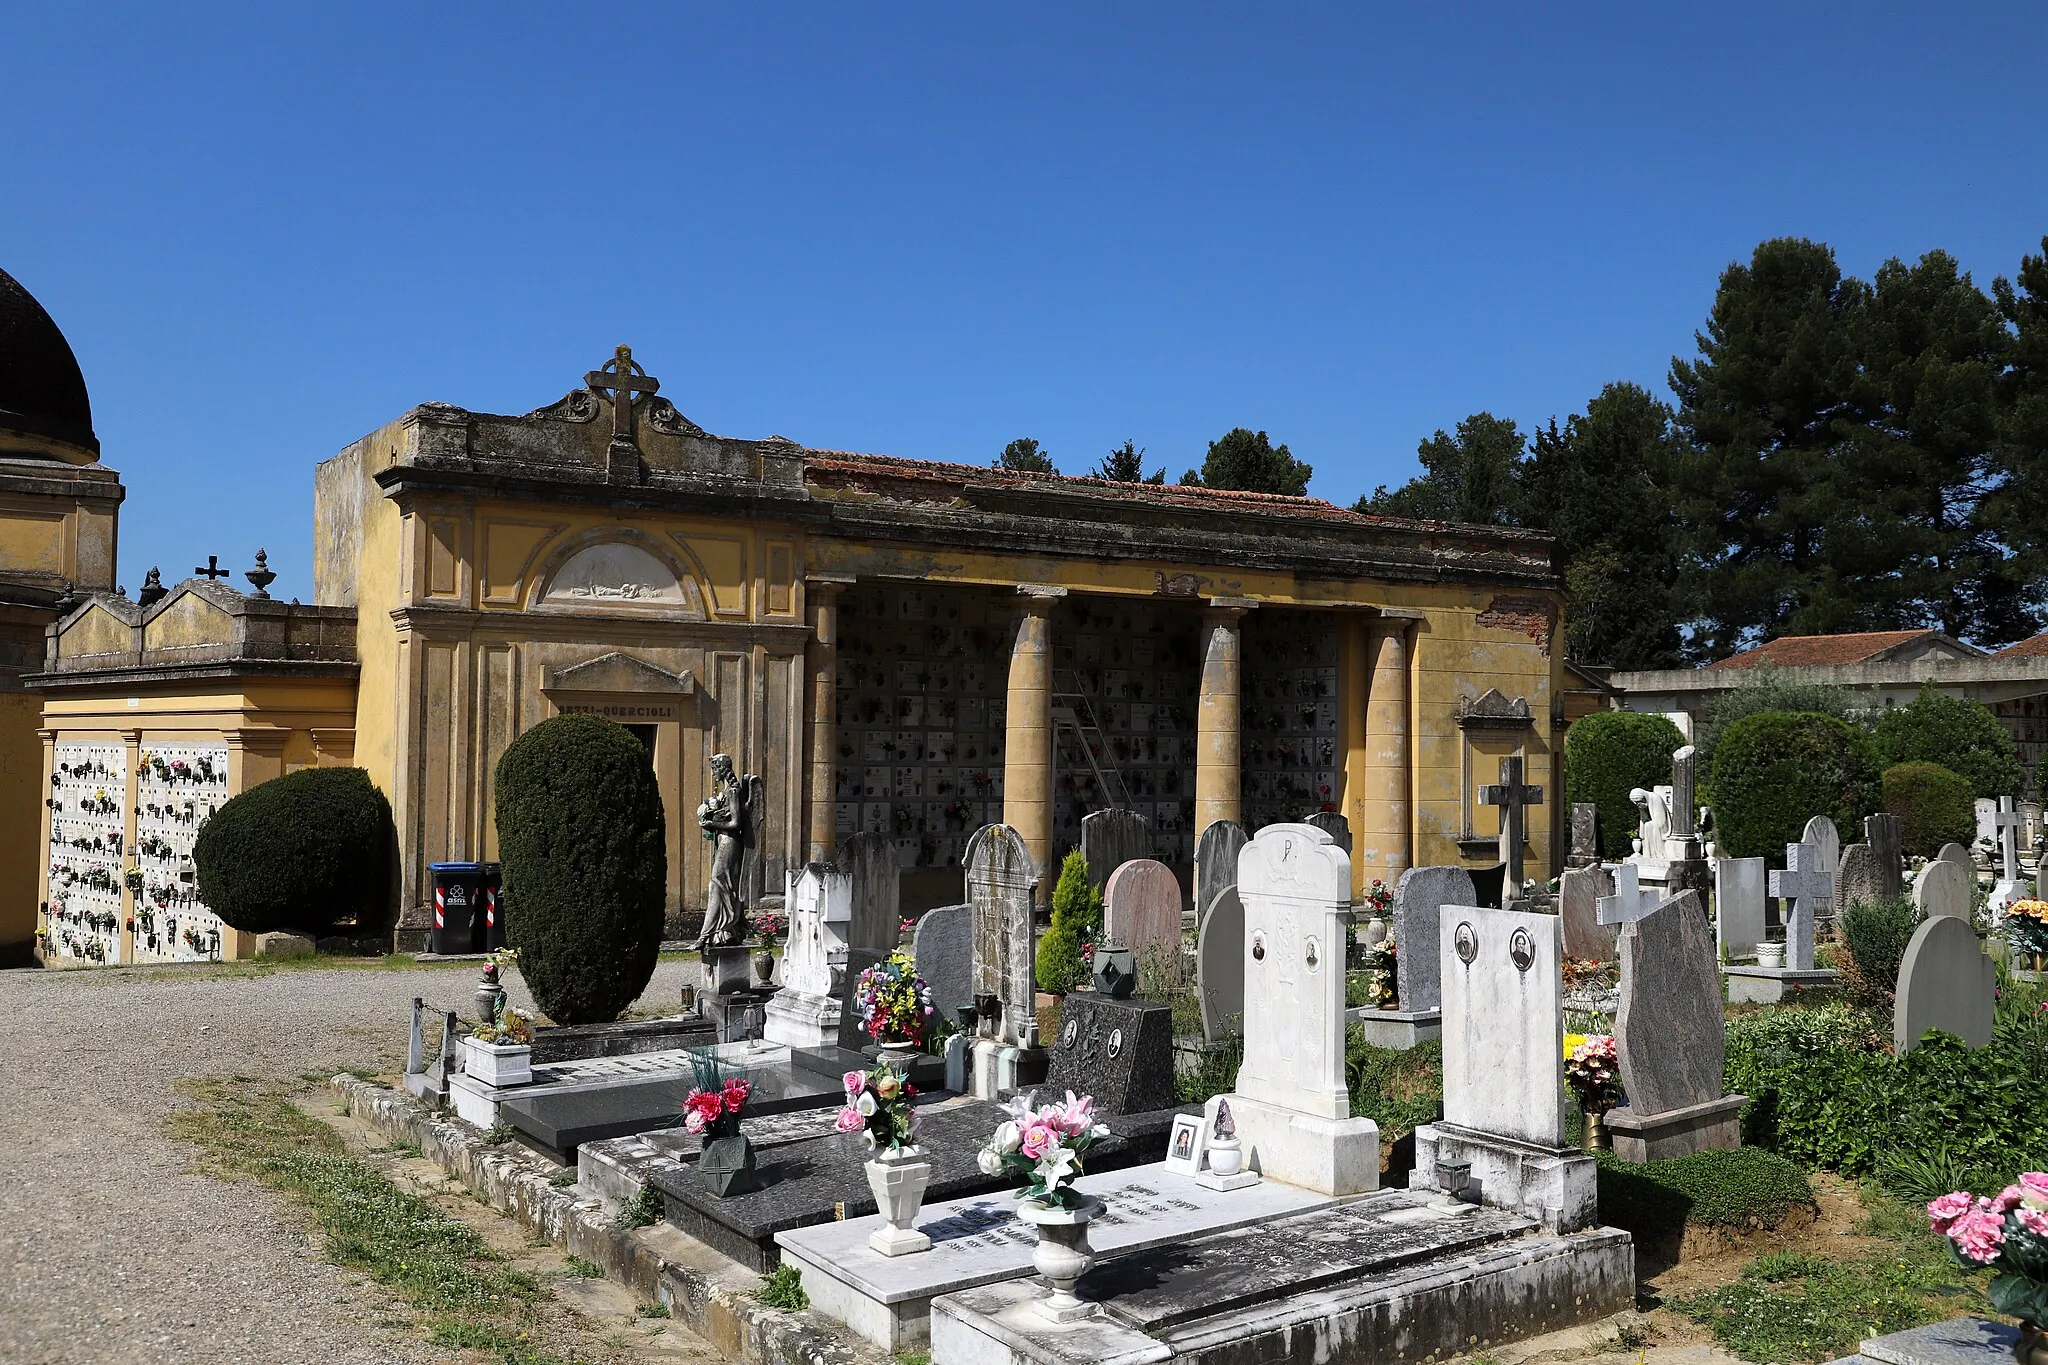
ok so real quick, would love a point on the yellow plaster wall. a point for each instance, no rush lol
(71, 539)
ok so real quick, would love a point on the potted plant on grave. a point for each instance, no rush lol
(713, 1111)
(2009, 1236)
(895, 1005)
(500, 1051)
(878, 1107)
(770, 926)
(2026, 934)
(1592, 1068)
(1044, 1147)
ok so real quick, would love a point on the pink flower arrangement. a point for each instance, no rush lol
(1044, 1146)
(878, 1107)
(714, 1111)
(2007, 1232)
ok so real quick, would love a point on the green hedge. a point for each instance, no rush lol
(1876, 936)
(1741, 1188)
(1935, 806)
(1076, 920)
(583, 841)
(1957, 733)
(1775, 770)
(307, 851)
(1607, 754)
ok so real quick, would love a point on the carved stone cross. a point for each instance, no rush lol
(1631, 899)
(212, 569)
(1808, 884)
(2007, 822)
(623, 381)
(1512, 796)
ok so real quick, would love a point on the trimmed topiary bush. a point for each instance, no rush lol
(583, 841)
(307, 851)
(1076, 920)
(1764, 688)
(1609, 753)
(1935, 806)
(1775, 770)
(1740, 1188)
(1957, 733)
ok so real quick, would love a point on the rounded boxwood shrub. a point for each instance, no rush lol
(1957, 733)
(1935, 806)
(1609, 753)
(583, 842)
(1776, 770)
(1875, 936)
(1076, 920)
(306, 851)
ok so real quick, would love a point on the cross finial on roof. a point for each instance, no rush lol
(212, 569)
(624, 382)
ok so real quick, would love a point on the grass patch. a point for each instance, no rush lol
(441, 1267)
(563, 1179)
(1743, 1188)
(498, 1134)
(646, 1210)
(1797, 1306)
(652, 1310)
(1397, 1088)
(582, 1269)
(783, 1288)
(1214, 1074)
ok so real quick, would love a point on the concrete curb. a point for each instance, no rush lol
(704, 1291)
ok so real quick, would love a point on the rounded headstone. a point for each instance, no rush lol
(1942, 888)
(1945, 982)
(1141, 910)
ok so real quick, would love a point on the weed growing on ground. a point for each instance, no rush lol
(582, 1269)
(645, 1210)
(652, 1310)
(498, 1134)
(563, 1179)
(441, 1267)
(784, 1288)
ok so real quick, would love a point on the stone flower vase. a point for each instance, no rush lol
(1062, 1255)
(764, 965)
(1770, 954)
(727, 1165)
(1226, 1156)
(898, 1176)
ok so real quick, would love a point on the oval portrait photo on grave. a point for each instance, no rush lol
(1522, 950)
(1465, 940)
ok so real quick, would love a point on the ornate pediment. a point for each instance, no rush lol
(1491, 710)
(617, 672)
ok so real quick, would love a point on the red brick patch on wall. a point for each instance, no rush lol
(1535, 617)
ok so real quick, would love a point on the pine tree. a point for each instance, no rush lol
(1126, 464)
(1248, 460)
(1470, 476)
(1022, 456)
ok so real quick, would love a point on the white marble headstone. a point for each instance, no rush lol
(1739, 900)
(1942, 888)
(1822, 834)
(1295, 883)
(820, 906)
(1503, 984)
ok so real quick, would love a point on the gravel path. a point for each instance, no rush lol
(112, 1249)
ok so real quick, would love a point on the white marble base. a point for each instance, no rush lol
(475, 1102)
(801, 1019)
(1336, 1157)
(1557, 1186)
(1209, 1180)
(890, 1241)
(1398, 1029)
(1771, 985)
(998, 1070)
(496, 1064)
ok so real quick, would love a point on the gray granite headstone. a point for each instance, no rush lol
(1740, 895)
(1945, 982)
(1000, 883)
(1216, 853)
(1419, 899)
(1960, 856)
(1885, 833)
(1111, 838)
(1669, 1032)
(1118, 1051)
(942, 946)
(1585, 835)
(1578, 892)
(1942, 888)
(1959, 1341)
(1822, 834)
(1858, 880)
(1219, 964)
(1141, 910)
(1808, 887)
(877, 875)
(1332, 824)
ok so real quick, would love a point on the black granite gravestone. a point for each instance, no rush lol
(1486, 884)
(558, 1119)
(1118, 1051)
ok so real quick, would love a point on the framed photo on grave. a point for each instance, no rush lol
(1186, 1144)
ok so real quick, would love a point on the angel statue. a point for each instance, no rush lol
(727, 818)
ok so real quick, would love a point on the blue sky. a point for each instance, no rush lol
(925, 229)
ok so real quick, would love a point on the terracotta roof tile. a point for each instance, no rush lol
(1805, 651)
(2033, 647)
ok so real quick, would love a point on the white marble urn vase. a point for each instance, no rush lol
(1062, 1255)
(498, 1064)
(898, 1176)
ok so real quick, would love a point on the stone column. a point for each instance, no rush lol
(1219, 714)
(1385, 838)
(823, 657)
(1027, 731)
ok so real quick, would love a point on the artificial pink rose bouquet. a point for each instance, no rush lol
(878, 1108)
(714, 1110)
(2007, 1234)
(1044, 1146)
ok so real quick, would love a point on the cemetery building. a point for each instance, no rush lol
(900, 646)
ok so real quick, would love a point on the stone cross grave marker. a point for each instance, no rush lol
(1332, 824)
(1585, 834)
(1141, 910)
(1631, 899)
(1503, 982)
(1419, 899)
(1000, 883)
(820, 905)
(1579, 892)
(870, 860)
(1219, 964)
(942, 947)
(1739, 901)
(1111, 838)
(1885, 834)
(1292, 1107)
(1942, 888)
(1669, 1030)
(1808, 886)
(1513, 796)
(1945, 982)
(2007, 822)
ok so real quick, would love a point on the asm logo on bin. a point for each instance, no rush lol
(466, 908)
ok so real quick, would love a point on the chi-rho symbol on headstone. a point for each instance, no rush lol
(1513, 796)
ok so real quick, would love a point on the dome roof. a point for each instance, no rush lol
(42, 392)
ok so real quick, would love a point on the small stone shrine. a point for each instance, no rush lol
(1807, 887)
(1671, 1039)
(1142, 911)
(1740, 895)
(1111, 838)
(1118, 1051)
(1001, 882)
(1945, 982)
(1579, 892)
(1417, 1016)
(1219, 964)
(1943, 888)
(1292, 1107)
(819, 902)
